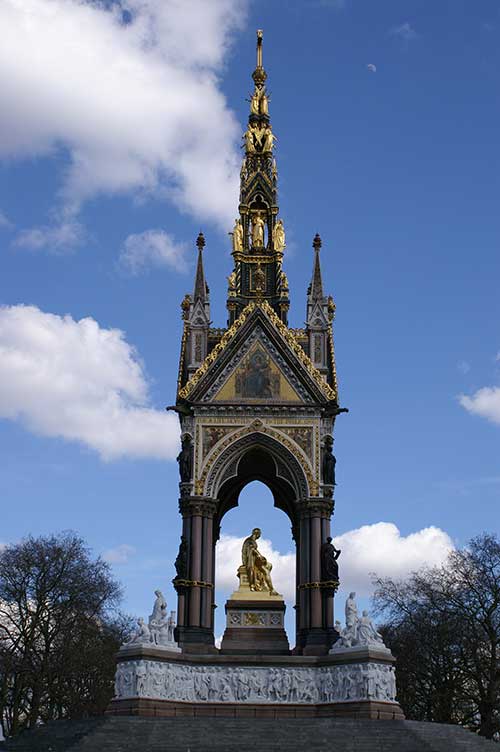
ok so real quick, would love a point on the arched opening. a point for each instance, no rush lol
(254, 507)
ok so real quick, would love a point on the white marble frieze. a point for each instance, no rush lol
(176, 681)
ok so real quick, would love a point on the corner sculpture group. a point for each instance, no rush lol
(159, 631)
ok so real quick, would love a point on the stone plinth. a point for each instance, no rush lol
(254, 622)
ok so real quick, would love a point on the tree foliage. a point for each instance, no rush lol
(59, 631)
(443, 625)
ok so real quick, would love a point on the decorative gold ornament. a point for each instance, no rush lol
(237, 235)
(183, 393)
(279, 236)
(326, 389)
(258, 226)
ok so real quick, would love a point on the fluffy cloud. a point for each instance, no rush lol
(119, 555)
(382, 550)
(127, 93)
(61, 237)
(152, 248)
(378, 548)
(78, 381)
(485, 403)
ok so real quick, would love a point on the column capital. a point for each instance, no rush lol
(314, 507)
(197, 506)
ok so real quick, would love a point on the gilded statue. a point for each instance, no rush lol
(237, 234)
(255, 102)
(269, 139)
(259, 102)
(279, 236)
(257, 567)
(257, 231)
(264, 103)
(249, 140)
(259, 132)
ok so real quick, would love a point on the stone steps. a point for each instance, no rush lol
(129, 734)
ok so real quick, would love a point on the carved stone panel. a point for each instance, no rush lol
(269, 619)
(255, 684)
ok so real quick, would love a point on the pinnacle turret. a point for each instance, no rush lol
(200, 285)
(316, 282)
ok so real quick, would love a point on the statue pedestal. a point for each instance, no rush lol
(254, 622)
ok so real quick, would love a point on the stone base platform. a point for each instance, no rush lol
(380, 711)
(108, 734)
(152, 682)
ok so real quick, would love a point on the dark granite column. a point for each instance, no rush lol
(195, 592)
(316, 609)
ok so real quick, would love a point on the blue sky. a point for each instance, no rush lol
(119, 140)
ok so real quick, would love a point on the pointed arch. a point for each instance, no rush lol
(257, 456)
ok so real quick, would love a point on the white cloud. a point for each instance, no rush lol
(75, 380)
(56, 238)
(404, 31)
(379, 548)
(372, 68)
(463, 366)
(152, 248)
(5, 221)
(127, 107)
(485, 403)
(120, 554)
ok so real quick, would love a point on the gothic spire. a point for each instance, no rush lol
(200, 285)
(316, 282)
(258, 236)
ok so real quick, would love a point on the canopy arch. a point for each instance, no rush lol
(257, 456)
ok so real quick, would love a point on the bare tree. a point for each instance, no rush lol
(59, 630)
(443, 624)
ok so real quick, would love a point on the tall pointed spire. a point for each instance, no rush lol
(316, 282)
(258, 236)
(200, 285)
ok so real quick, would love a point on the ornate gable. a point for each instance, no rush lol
(258, 360)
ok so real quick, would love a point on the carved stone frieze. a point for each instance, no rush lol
(164, 680)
